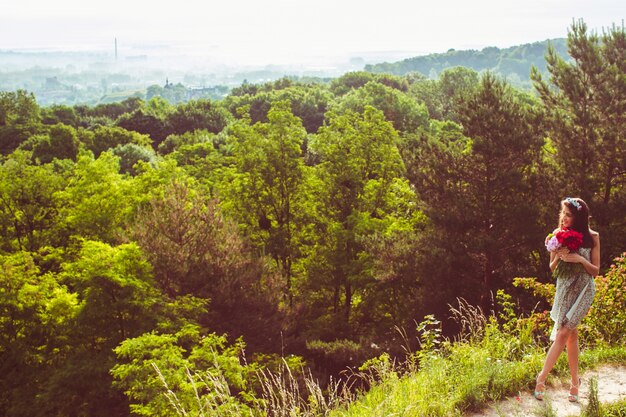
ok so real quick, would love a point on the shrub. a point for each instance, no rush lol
(606, 318)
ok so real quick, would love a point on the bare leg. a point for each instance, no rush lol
(572, 360)
(554, 352)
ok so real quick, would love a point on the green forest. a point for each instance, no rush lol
(513, 63)
(214, 257)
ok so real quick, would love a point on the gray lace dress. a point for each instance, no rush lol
(573, 297)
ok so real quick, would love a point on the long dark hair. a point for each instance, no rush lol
(580, 211)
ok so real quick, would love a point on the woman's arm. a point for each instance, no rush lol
(554, 260)
(593, 267)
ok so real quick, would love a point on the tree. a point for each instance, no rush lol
(36, 316)
(402, 111)
(350, 81)
(173, 93)
(477, 186)
(441, 96)
(173, 142)
(454, 84)
(359, 163)
(268, 188)
(198, 114)
(142, 122)
(130, 154)
(117, 301)
(98, 201)
(59, 113)
(20, 118)
(190, 370)
(112, 110)
(106, 138)
(29, 208)
(393, 81)
(309, 103)
(195, 251)
(202, 162)
(586, 107)
(60, 142)
(149, 119)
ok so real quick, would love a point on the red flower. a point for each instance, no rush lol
(570, 238)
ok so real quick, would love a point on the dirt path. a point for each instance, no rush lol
(611, 387)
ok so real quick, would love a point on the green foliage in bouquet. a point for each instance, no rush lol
(567, 269)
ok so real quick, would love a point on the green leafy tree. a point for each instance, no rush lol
(603, 324)
(106, 138)
(116, 289)
(427, 91)
(391, 234)
(173, 93)
(243, 89)
(20, 117)
(145, 123)
(36, 317)
(117, 301)
(359, 163)
(308, 102)
(393, 81)
(59, 113)
(98, 201)
(60, 142)
(202, 162)
(163, 374)
(268, 188)
(149, 119)
(110, 111)
(400, 109)
(29, 208)
(130, 154)
(173, 142)
(442, 96)
(198, 114)
(350, 81)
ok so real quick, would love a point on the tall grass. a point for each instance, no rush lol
(286, 395)
(617, 409)
(212, 396)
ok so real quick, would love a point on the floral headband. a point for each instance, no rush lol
(574, 203)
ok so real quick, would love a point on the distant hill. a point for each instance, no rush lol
(514, 63)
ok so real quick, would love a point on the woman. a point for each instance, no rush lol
(574, 293)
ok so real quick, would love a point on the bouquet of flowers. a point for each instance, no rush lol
(564, 238)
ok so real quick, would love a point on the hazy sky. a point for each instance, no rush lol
(266, 31)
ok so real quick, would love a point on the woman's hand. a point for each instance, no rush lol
(570, 257)
(561, 252)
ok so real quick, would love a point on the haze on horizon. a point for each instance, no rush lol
(262, 32)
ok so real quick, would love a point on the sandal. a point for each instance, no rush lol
(571, 397)
(540, 384)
